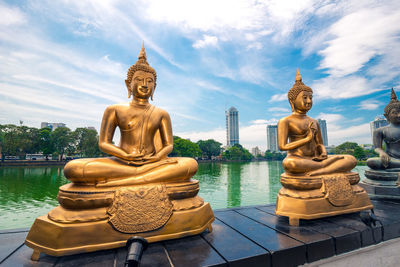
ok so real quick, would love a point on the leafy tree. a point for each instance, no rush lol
(346, 148)
(10, 139)
(90, 143)
(274, 155)
(359, 153)
(185, 148)
(354, 149)
(237, 152)
(45, 141)
(210, 147)
(62, 140)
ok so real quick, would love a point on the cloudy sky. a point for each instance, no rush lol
(65, 61)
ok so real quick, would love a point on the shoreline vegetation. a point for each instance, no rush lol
(22, 145)
(45, 163)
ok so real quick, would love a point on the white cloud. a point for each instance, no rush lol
(278, 109)
(341, 88)
(370, 104)
(357, 133)
(278, 97)
(206, 41)
(231, 19)
(337, 134)
(265, 122)
(255, 45)
(11, 16)
(358, 37)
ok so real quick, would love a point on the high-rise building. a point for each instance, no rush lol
(256, 151)
(52, 125)
(324, 131)
(377, 123)
(232, 126)
(272, 138)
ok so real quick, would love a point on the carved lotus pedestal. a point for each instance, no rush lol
(382, 184)
(312, 197)
(90, 218)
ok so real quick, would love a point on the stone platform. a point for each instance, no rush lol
(382, 184)
(247, 236)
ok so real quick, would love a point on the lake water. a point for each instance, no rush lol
(28, 192)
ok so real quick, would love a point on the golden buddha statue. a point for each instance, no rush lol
(146, 140)
(138, 190)
(311, 176)
(383, 176)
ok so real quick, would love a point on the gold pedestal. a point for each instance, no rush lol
(305, 197)
(70, 229)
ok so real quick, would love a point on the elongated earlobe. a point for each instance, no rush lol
(129, 89)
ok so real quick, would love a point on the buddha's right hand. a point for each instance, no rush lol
(385, 159)
(311, 131)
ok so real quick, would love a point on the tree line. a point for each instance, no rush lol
(22, 140)
(354, 149)
(83, 142)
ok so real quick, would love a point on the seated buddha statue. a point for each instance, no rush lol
(314, 184)
(382, 179)
(146, 140)
(139, 190)
(301, 136)
(389, 158)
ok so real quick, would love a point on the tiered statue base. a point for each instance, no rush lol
(381, 184)
(91, 219)
(312, 197)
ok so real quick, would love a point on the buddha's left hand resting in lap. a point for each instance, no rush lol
(300, 135)
(146, 140)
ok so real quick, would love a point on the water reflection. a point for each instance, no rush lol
(28, 192)
(234, 184)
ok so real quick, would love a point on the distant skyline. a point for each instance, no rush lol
(66, 61)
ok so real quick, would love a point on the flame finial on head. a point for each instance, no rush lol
(393, 96)
(142, 55)
(298, 76)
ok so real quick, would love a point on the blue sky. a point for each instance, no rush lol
(65, 61)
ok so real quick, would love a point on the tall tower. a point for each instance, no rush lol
(324, 131)
(377, 123)
(232, 126)
(272, 138)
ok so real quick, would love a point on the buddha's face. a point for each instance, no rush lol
(142, 84)
(394, 116)
(303, 102)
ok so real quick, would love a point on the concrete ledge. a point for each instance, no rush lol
(384, 254)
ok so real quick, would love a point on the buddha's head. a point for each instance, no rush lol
(300, 95)
(392, 110)
(141, 78)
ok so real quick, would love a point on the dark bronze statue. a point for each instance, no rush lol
(382, 180)
(390, 135)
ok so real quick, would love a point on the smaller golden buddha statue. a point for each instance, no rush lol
(139, 190)
(383, 176)
(314, 184)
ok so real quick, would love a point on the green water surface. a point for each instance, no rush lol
(28, 192)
